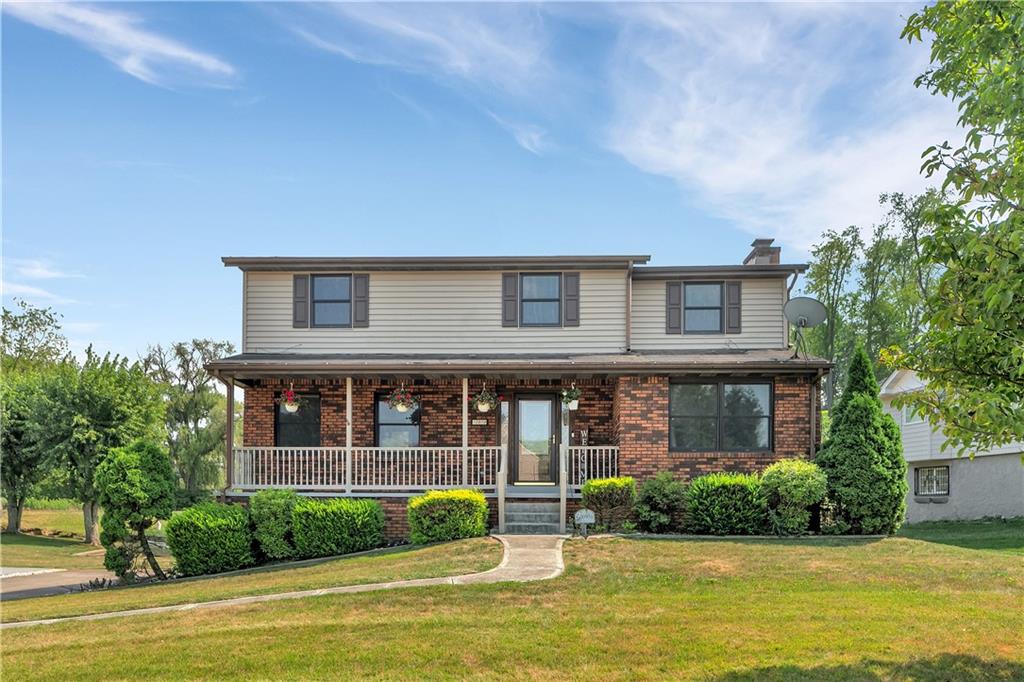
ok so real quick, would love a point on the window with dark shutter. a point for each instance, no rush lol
(540, 300)
(300, 301)
(673, 308)
(332, 300)
(360, 300)
(571, 299)
(510, 299)
(733, 307)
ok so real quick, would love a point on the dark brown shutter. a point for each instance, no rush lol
(571, 299)
(360, 300)
(300, 301)
(673, 307)
(509, 299)
(733, 307)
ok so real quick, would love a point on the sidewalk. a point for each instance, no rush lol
(19, 583)
(526, 558)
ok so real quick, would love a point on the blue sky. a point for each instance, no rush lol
(142, 141)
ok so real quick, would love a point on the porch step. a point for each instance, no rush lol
(546, 507)
(531, 518)
(531, 528)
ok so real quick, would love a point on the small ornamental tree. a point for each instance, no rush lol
(136, 488)
(863, 459)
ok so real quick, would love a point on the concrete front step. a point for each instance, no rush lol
(531, 528)
(549, 507)
(531, 517)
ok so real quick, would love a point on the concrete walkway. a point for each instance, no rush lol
(526, 558)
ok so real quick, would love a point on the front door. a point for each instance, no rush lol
(535, 447)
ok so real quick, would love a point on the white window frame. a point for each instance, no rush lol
(909, 416)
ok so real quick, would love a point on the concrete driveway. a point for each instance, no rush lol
(18, 582)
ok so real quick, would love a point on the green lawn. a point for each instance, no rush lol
(908, 608)
(404, 563)
(40, 551)
(60, 522)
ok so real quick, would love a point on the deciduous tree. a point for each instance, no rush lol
(24, 461)
(971, 350)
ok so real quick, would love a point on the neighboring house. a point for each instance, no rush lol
(943, 486)
(682, 369)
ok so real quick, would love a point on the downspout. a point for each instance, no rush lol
(815, 384)
(629, 306)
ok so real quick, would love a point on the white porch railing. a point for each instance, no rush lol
(591, 461)
(364, 470)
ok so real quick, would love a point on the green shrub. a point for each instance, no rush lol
(136, 489)
(863, 459)
(338, 526)
(790, 487)
(271, 513)
(661, 503)
(611, 500)
(443, 515)
(727, 504)
(210, 538)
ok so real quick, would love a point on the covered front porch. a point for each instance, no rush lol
(345, 440)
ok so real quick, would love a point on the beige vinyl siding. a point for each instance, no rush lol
(434, 312)
(762, 321)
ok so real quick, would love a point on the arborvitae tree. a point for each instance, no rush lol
(136, 489)
(863, 458)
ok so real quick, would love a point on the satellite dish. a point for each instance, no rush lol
(804, 313)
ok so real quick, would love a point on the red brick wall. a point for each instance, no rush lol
(441, 419)
(640, 415)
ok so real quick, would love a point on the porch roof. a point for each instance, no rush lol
(255, 365)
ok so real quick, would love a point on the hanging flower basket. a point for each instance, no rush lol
(290, 401)
(402, 400)
(571, 397)
(484, 401)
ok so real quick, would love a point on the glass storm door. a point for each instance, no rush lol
(536, 440)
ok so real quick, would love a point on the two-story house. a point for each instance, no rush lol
(681, 369)
(942, 486)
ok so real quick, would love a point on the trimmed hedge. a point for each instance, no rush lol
(271, 512)
(611, 500)
(339, 526)
(661, 504)
(727, 504)
(790, 487)
(210, 538)
(442, 515)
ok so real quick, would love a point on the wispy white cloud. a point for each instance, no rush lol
(499, 50)
(123, 39)
(532, 138)
(492, 45)
(786, 119)
(34, 294)
(35, 268)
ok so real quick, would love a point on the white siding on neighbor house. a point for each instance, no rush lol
(762, 322)
(922, 443)
(434, 312)
(984, 486)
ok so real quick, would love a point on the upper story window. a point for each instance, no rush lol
(702, 308)
(331, 301)
(720, 417)
(397, 429)
(298, 429)
(910, 417)
(541, 300)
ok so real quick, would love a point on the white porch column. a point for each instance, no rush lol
(348, 434)
(502, 482)
(229, 437)
(563, 467)
(465, 431)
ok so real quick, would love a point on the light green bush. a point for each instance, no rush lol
(727, 504)
(338, 526)
(611, 500)
(271, 512)
(210, 538)
(442, 515)
(791, 487)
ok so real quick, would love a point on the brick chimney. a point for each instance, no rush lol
(763, 253)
